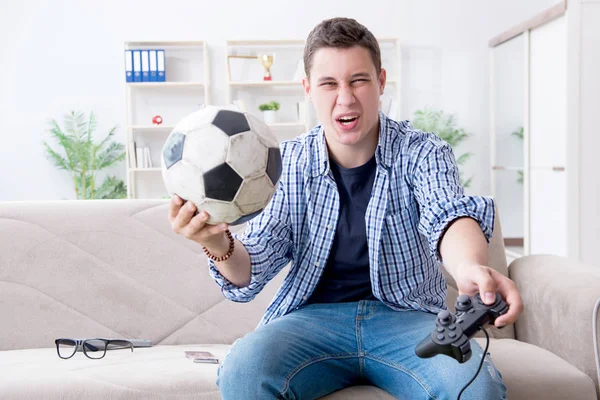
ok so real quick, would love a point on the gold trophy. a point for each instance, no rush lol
(267, 62)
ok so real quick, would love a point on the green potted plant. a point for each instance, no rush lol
(269, 111)
(83, 158)
(444, 126)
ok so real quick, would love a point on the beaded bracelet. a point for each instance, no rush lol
(229, 252)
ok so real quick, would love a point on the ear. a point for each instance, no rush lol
(306, 86)
(382, 80)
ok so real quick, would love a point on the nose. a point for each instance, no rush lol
(345, 95)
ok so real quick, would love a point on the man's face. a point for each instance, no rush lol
(344, 88)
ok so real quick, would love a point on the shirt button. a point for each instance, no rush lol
(304, 298)
(328, 226)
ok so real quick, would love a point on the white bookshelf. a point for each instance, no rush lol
(245, 80)
(186, 89)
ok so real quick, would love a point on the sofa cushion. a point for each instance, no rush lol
(163, 372)
(530, 372)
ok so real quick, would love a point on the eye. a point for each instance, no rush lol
(360, 80)
(327, 83)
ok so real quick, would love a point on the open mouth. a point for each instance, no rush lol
(347, 120)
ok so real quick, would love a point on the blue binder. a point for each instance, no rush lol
(145, 66)
(137, 66)
(160, 65)
(128, 66)
(153, 66)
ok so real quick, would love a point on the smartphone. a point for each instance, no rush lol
(204, 357)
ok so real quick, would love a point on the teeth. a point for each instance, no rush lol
(347, 119)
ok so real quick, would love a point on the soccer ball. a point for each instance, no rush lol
(226, 162)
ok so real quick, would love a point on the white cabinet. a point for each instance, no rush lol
(185, 90)
(545, 76)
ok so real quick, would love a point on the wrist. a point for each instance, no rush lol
(222, 249)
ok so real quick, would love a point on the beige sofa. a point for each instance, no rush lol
(114, 268)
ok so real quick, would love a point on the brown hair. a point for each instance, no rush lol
(341, 33)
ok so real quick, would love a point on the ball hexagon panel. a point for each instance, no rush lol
(220, 211)
(262, 130)
(247, 155)
(231, 122)
(173, 149)
(254, 194)
(206, 147)
(185, 180)
(197, 119)
(274, 167)
(222, 183)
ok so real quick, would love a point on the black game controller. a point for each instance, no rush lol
(452, 332)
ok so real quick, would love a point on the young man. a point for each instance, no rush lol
(365, 211)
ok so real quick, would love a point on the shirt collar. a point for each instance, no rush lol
(385, 153)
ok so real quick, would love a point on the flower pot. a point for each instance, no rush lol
(269, 116)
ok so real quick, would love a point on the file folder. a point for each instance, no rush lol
(160, 65)
(145, 66)
(128, 66)
(137, 66)
(153, 67)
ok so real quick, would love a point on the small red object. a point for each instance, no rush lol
(157, 120)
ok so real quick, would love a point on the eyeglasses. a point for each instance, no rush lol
(92, 348)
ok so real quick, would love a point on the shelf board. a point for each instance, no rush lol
(153, 169)
(165, 84)
(152, 127)
(287, 124)
(265, 83)
(265, 42)
(173, 43)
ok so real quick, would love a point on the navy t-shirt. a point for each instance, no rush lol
(346, 275)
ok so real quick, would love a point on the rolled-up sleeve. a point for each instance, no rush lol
(440, 194)
(268, 240)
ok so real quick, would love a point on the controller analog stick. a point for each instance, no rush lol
(444, 317)
(463, 302)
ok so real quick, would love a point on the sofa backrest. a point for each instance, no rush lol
(110, 268)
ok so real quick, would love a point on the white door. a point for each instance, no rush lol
(547, 139)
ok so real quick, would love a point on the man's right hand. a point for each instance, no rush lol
(194, 227)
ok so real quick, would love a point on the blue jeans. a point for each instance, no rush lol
(320, 348)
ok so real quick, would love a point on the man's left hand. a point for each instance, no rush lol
(473, 278)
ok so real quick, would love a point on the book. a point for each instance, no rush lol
(204, 357)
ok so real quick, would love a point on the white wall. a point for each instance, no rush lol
(64, 55)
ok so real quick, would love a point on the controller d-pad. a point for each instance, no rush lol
(452, 327)
(441, 337)
(440, 329)
(452, 335)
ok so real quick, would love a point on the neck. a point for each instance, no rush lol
(354, 155)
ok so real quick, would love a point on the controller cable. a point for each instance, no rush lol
(487, 344)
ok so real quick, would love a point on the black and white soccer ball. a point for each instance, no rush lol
(226, 162)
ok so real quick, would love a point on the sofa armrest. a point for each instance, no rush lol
(560, 296)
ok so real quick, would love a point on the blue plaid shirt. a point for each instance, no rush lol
(416, 194)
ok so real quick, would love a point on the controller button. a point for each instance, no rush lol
(472, 311)
(460, 321)
(441, 337)
(452, 335)
(452, 327)
(440, 329)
